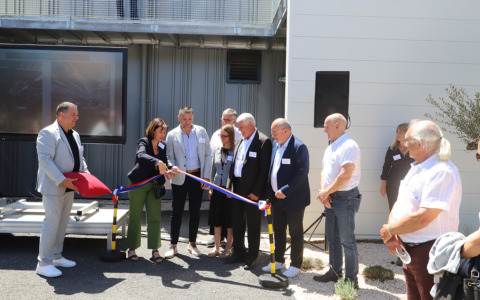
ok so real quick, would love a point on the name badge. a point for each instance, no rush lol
(229, 158)
(252, 154)
(161, 145)
(286, 161)
(397, 157)
(201, 140)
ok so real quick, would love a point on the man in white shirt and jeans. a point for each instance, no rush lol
(427, 205)
(341, 198)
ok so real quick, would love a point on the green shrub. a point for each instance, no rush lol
(345, 289)
(378, 272)
(310, 263)
(319, 263)
(307, 263)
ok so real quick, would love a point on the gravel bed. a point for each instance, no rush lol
(370, 254)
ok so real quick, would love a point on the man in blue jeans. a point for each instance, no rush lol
(339, 194)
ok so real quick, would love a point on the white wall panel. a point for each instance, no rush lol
(386, 28)
(397, 54)
(432, 9)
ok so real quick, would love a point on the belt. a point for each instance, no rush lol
(193, 171)
(338, 193)
(415, 245)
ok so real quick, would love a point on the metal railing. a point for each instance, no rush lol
(249, 12)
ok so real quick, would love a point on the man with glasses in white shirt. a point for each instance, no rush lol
(427, 206)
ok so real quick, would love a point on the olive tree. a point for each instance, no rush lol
(459, 113)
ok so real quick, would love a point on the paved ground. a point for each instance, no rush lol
(184, 277)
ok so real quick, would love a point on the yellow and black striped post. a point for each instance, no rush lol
(272, 245)
(113, 255)
(273, 280)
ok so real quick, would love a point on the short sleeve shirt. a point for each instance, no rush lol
(344, 150)
(431, 184)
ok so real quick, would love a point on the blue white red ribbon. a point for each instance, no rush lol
(262, 205)
(132, 187)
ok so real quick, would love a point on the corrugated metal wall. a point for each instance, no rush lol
(174, 77)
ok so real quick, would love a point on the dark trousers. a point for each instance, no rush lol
(246, 214)
(419, 281)
(294, 220)
(193, 189)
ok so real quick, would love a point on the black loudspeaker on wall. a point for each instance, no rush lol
(331, 95)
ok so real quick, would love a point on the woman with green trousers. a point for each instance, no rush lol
(150, 159)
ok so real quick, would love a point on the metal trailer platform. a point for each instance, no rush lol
(85, 218)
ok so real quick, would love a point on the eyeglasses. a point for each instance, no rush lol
(223, 136)
(276, 132)
(226, 120)
(407, 140)
(477, 156)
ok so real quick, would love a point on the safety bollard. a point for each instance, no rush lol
(272, 280)
(113, 255)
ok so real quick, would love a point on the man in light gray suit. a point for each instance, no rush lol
(59, 151)
(188, 148)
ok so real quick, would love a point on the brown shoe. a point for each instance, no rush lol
(213, 253)
(226, 253)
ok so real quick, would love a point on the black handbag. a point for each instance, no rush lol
(464, 285)
(158, 189)
(471, 285)
(450, 287)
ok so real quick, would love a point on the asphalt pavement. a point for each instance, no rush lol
(183, 277)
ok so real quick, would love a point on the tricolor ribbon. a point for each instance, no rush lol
(261, 204)
(132, 187)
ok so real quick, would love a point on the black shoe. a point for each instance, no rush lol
(355, 283)
(234, 259)
(327, 277)
(249, 264)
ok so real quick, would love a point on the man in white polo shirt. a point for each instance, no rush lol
(427, 205)
(341, 198)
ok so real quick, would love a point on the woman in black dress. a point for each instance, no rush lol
(220, 214)
(396, 166)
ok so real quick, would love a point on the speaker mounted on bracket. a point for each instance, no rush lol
(331, 95)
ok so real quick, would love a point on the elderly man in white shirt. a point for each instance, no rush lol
(427, 205)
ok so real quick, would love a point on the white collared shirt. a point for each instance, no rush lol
(277, 162)
(344, 150)
(242, 154)
(432, 184)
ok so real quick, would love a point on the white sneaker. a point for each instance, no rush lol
(63, 262)
(48, 271)
(278, 266)
(194, 250)
(171, 252)
(292, 272)
(210, 243)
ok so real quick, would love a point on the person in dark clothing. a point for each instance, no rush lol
(396, 166)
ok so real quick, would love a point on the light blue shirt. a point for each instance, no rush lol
(190, 146)
(277, 162)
